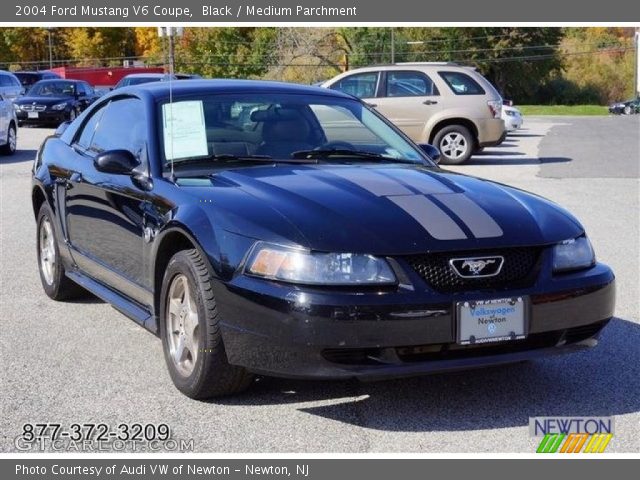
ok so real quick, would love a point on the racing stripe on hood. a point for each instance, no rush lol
(472, 215)
(432, 218)
(374, 182)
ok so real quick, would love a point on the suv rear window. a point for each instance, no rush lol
(461, 83)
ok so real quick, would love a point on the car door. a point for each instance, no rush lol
(408, 98)
(104, 212)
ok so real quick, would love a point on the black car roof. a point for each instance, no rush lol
(160, 90)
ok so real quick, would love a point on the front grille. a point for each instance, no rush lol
(33, 108)
(519, 270)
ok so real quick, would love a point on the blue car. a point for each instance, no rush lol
(287, 230)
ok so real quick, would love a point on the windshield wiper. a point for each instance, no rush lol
(343, 152)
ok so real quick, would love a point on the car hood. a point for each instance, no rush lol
(42, 100)
(385, 209)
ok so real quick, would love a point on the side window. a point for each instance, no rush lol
(461, 83)
(88, 89)
(15, 82)
(122, 126)
(88, 129)
(409, 84)
(361, 85)
(5, 81)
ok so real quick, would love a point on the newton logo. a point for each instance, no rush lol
(572, 434)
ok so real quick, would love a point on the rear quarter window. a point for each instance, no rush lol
(461, 83)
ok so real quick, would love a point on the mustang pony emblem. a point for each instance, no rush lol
(476, 266)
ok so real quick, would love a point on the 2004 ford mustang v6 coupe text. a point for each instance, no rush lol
(288, 230)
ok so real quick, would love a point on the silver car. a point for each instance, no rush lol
(8, 127)
(10, 86)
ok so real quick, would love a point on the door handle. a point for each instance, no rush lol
(372, 105)
(430, 102)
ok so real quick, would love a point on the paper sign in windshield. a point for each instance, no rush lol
(185, 134)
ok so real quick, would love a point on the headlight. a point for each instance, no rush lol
(302, 266)
(16, 106)
(59, 106)
(573, 254)
(510, 113)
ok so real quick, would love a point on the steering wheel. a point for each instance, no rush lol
(337, 145)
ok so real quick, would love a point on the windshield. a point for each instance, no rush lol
(126, 82)
(27, 79)
(278, 127)
(53, 89)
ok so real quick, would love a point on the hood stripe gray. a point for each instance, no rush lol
(379, 185)
(473, 215)
(420, 182)
(432, 218)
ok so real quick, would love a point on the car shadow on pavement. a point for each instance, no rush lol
(517, 135)
(499, 159)
(18, 157)
(603, 381)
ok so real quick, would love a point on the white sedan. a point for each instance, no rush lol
(512, 118)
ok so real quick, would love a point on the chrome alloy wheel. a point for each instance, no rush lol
(47, 251)
(182, 325)
(454, 145)
(13, 139)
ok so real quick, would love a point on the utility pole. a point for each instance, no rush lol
(393, 46)
(50, 49)
(171, 33)
(636, 86)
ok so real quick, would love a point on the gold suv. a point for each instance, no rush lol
(448, 105)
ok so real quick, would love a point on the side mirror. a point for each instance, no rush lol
(433, 152)
(119, 162)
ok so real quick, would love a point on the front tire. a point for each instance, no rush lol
(9, 148)
(55, 283)
(456, 144)
(627, 110)
(190, 332)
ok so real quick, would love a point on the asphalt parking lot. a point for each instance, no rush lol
(85, 362)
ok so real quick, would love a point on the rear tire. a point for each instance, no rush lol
(9, 148)
(456, 144)
(55, 283)
(190, 332)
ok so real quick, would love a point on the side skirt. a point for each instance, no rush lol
(121, 303)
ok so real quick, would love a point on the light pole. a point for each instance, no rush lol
(50, 49)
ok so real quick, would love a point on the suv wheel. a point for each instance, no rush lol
(456, 144)
(190, 331)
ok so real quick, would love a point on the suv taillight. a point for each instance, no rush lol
(495, 107)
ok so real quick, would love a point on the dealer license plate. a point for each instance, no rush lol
(32, 114)
(488, 321)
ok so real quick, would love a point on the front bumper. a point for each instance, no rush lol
(46, 116)
(513, 123)
(288, 331)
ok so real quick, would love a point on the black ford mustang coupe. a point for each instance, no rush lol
(267, 228)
